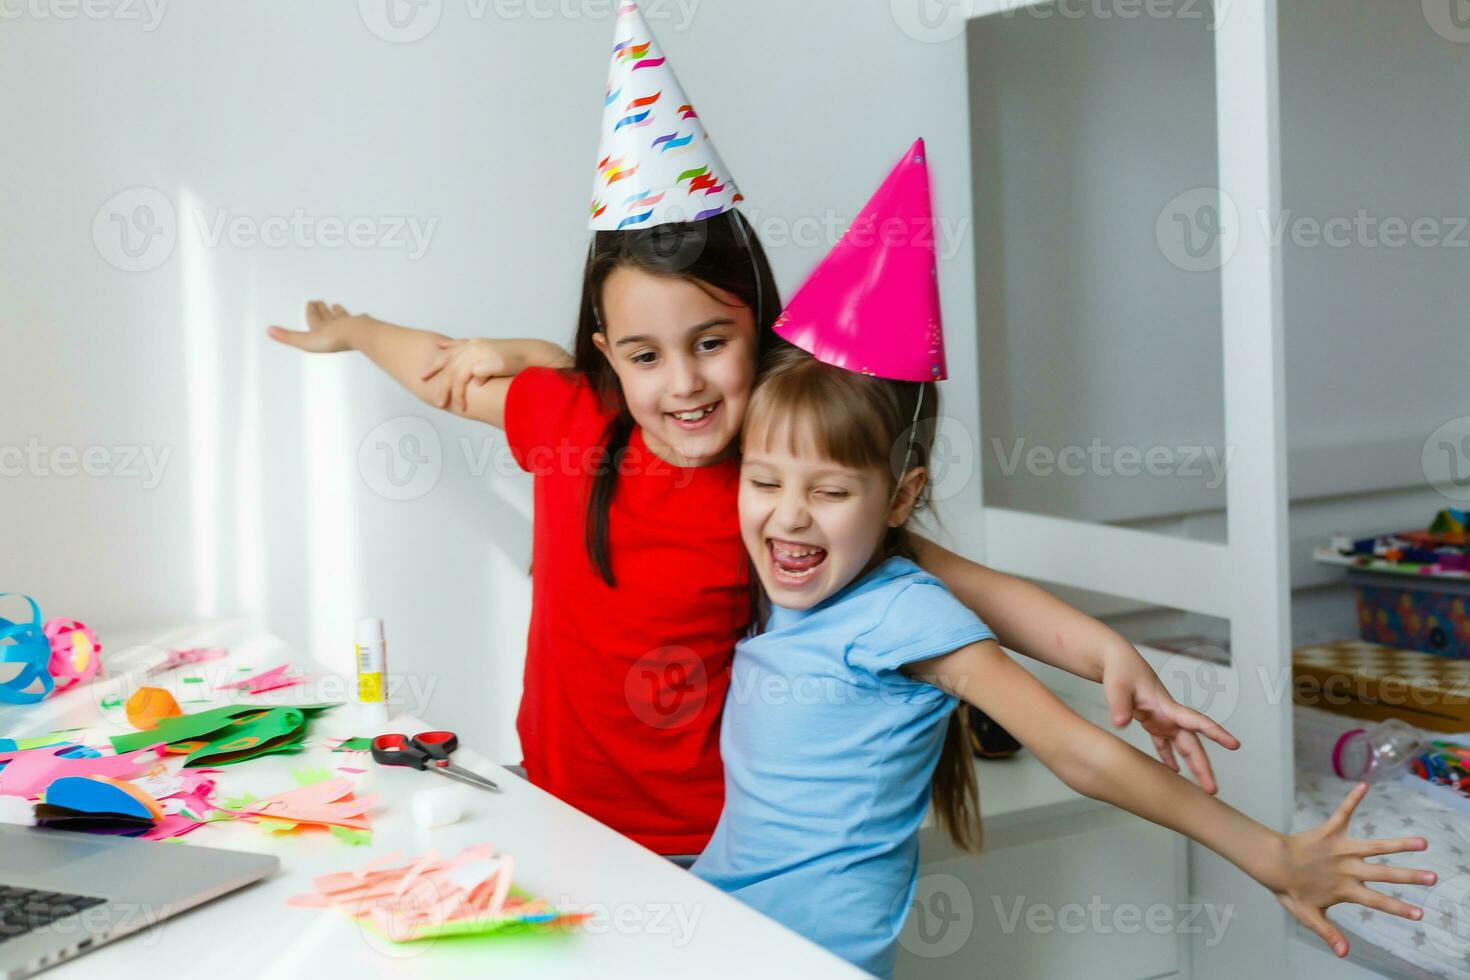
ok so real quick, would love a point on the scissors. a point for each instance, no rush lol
(427, 750)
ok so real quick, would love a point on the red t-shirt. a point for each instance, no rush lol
(624, 686)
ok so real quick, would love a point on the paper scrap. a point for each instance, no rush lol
(178, 658)
(429, 896)
(328, 803)
(28, 772)
(270, 680)
(353, 745)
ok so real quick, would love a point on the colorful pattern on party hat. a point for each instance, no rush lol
(872, 305)
(655, 162)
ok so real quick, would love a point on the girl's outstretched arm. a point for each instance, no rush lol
(1307, 872)
(407, 354)
(1032, 621)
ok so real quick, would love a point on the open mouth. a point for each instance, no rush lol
(793, 564)
(695, 418)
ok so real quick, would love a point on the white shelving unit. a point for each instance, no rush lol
(1242, 556)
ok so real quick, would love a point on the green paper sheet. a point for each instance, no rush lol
(355, 745)
(271, 732)
(203, 725)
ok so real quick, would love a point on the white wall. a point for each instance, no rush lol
(487, 127)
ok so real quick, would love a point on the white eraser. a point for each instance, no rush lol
(436, 807)
(14, 809)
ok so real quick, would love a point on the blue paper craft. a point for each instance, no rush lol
(26, 645)
(86, 795)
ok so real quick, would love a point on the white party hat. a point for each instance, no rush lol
(656, 163)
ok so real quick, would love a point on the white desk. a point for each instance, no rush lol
(653, 919)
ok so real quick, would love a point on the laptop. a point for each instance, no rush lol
(63, 893)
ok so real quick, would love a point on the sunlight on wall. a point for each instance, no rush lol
(202, 380)
(330, 464)
(250, 471)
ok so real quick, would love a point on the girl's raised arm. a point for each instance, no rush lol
(409, 356)
(1032, 621)
(1307, 872)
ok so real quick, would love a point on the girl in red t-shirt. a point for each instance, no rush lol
(639, 581)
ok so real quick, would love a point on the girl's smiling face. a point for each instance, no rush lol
(812, 526)
(685, 356)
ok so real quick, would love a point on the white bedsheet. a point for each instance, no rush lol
(1439, 944)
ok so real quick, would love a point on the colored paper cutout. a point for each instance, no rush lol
(75, 652)
(270, 680)
(194, 655)
(203, 726)
(24, 647)
(353, 745)
(102, 795)
(27, 772)
(429, 896)
(323, 803)
(150, 704)
(274, 730)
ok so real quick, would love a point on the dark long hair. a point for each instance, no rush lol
(722, 252)
(866, 422)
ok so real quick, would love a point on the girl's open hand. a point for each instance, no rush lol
(1324, 866)
(327, 330)
(461, 363)
(1135, 693)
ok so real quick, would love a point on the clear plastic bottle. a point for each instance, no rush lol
(1378, 753)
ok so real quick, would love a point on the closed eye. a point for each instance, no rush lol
(831, 494)
(762, 485)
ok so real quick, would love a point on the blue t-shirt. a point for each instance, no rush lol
(828, 750)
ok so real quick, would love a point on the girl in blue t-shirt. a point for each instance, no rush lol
(841, 722)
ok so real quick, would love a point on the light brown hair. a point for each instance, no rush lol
(866, 422)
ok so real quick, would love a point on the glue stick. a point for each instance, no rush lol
(372, 672)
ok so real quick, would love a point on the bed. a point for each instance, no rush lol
(1438, 945)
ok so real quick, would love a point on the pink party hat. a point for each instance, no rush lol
(655, 162)
(872, 305)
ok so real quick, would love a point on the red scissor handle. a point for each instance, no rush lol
(398, 750)
(438, 744)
